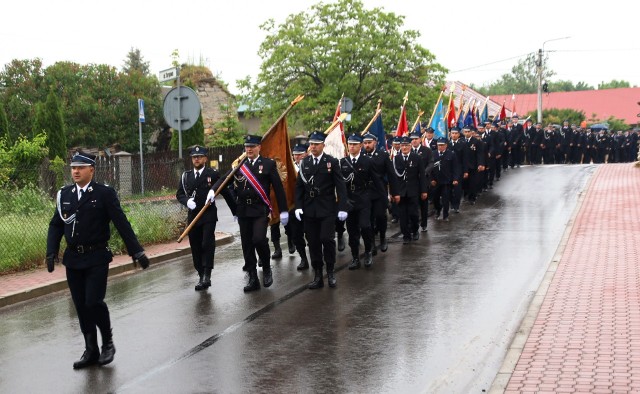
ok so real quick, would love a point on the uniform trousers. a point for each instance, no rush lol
(456, 195)
(88, 287)
(253, 237)
(359, 224)
(296, 230)
(441, 198)
(320, 234)
(408, 209)
(379, 216)
(202, 239)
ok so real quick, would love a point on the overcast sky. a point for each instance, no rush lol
(477, 41)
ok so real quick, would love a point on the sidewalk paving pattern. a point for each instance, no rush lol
(26, 285)
(586, 334)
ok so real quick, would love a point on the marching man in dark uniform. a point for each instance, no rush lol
(426, 154)
(319, 182)
(361, 180)
(458, 146)
(194, 191)
(445, 175)
(412, 187)
(383, 169)
(296, 227)
(252, 184)
(83, 213)
(474, 150)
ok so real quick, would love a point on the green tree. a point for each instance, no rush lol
(50, 121)
(229, 131)
(22, 83)
(135, 62)
(557, 116)
(339, 48)
(190, 137)
(614, 84)
(4, 125)
(523, 78)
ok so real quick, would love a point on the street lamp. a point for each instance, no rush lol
(539, 66)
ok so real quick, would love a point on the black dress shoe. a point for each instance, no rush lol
(259, 263)
(267, 277)
(277, 253)
(423, 229)
(368, 259)
(354, 264)
(415, 236)
(383, 245)
(91, 353)
(108, 351)
(341, 244)
(304, 264)
(331, 278)
(317, 280)
(200, 284)
(406, 240)
(254, 282)
(394, 220)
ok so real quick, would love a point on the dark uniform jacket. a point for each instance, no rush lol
(412, 179)
(383, 169)
(85, 226)
(361, 181)
(475, 152)
(427, 156)
(248, 201)
(446, 168)
(459, 148)
(318, 186)
(199, 190)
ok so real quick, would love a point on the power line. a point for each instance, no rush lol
(488, 64)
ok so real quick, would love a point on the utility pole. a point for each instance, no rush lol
(539, 68)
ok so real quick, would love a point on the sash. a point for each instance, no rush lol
(246, 171)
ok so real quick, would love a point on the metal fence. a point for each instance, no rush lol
(26, 207)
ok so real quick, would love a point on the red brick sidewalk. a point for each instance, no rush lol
(586, 336)
(26, 285)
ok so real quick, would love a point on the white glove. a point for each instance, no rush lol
(342, 216)
(191, 204)
(211, 196)
(298, 213)
(235, 218)
(284, 218)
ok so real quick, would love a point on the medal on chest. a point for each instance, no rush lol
(328, 166)
(260, 169)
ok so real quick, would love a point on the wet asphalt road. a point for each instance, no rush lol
(434, 316)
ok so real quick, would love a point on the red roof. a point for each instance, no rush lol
(599, 104)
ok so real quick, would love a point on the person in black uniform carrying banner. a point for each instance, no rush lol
(319, 182)
(194, 191)
(83, 213)
(252, 184)
(361, 181)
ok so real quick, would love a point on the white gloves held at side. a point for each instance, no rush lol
(342, 216)
(284, 218)
(191, 204)
(211, 196)
(298, 213)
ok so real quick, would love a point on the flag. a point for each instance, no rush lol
(403, 126)
(476, 116)
(500, 115)
(513, 110)
(334, 143)
(484, 115)
(438, 123)
(468, 119)
(451, 114)
(276, 146)
(378, 130)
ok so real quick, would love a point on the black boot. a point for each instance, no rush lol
(91, 353)
(317, 280)
(292, 247)
(277, 252)
(200, 284)
(304, 263)
(383, 244)
(354, 264)
(108, 349)
(341, 244)
(267, 277)
(374, 249)
(206, 281)
(331, 278)
(368, 259)
(254, 282)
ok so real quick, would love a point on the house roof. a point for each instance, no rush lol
(599, 104)
(470, 94)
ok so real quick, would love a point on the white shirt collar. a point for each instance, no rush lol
(354, 157)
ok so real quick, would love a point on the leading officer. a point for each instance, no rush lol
(83, 212)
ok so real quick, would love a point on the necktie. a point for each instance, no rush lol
(315, 161)
(197, 175)
(353, 160)
(405, 158)
(81, 194)
(251, 162)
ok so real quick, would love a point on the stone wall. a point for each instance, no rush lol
(212, 95)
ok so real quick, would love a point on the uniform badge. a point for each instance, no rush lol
(208, 179)
(64, 215)
(329, 166)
